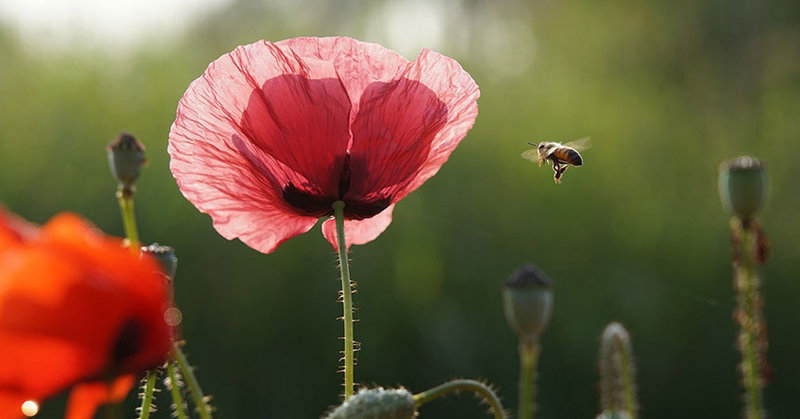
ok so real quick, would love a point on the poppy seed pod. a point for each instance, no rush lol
(165, 256)
(126, 158)
(528, 302)
(743, 185)
(377, 403)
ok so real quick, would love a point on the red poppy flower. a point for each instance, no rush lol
(273, 133)
(76, 307)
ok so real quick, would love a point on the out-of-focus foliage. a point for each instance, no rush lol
(667, 90)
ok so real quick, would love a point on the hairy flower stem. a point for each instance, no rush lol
(627, 381)
(347, 299)
(147, 394)
(751, 340)
(125, 198)
(528, 359)
(175, 390)
(484, 392)
(200, 400)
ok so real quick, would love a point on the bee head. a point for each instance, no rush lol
(545, 146)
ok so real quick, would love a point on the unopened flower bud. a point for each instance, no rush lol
(617, 374)
(165, 255)
(126, 158)
(377, 403)
(617, 414)
(743, 185)
(528, 302)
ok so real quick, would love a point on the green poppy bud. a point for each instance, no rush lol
(126, 158)
(617, 374)
(528, 302)
(377, 403)
(614, 415)
(165, 256)
(743, 185)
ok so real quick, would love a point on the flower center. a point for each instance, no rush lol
(317, 205)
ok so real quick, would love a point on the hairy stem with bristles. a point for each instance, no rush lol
(195, 391)
(750, 320)
(175, 391)
(147, 394)
(347, 299)
(480, 389)
(528, 359)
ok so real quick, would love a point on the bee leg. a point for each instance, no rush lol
(559, 172)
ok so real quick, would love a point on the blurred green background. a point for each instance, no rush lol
(667, 90)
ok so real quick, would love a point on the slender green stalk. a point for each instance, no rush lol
(750, 321)
(528, 359)
(480, 389)
(147, 394)
(191, 381)
(175, 390)
(627, 381)
(125, 198)
(347, 299)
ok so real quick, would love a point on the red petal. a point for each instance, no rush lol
(357, 64)
(407, 128)
(258, 119)
(15, 230)
(87, 397)
(76, 305)
(358, 231)
(11, 405)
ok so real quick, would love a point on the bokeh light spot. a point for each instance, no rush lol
(173, 316)
(30, 408)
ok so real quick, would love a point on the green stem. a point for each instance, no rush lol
(175, 390)
(347, 299)
(627, 380)
(191, 381)
(454, 386)
(750, 321)
(125, 198)
(528, 359)
(147, 394)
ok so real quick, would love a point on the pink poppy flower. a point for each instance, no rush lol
(273, 133)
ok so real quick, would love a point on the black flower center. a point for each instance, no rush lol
(316, 205)
(129, 341)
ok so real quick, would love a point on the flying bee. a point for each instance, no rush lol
(560, 155)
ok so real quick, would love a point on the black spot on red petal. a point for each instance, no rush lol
(359, 210)
(128, 342)
(306, 203)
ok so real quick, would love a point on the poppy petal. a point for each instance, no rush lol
(85, 398)
(11, 405)
(407, 128)
(358, 64)
(14, 229)
(260, 120)
(76, 306)
(358, 231)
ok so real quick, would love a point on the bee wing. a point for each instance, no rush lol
(580, 144)
(532, 155)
